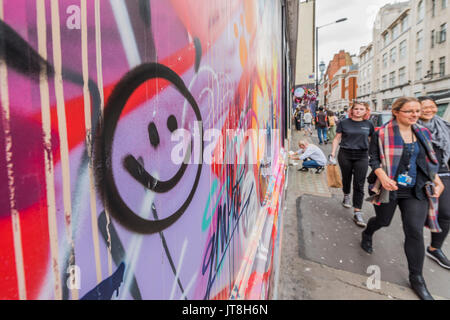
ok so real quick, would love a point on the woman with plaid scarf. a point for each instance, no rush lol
(404, 166)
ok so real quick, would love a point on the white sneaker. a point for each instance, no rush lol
(358, 219)
(346, 202)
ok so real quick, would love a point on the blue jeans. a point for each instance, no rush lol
(322, 132)
(311, 164)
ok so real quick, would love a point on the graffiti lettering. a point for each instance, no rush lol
(228, 215)
(106, 288)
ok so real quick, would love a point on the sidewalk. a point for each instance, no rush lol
(320, 254)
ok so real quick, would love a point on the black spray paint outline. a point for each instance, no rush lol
(105, 181)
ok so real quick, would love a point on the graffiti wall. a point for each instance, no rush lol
(141, 154)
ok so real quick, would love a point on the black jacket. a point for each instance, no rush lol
(443, 167)
(423, 173)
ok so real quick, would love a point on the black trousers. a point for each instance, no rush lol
(354, 164)
(437, 239)
(414, 214)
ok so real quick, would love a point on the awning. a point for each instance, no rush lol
(439, 95)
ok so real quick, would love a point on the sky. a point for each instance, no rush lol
(349, 35)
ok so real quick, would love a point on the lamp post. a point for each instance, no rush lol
(321, 69)
(317, 50)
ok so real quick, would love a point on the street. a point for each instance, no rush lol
(321, 256)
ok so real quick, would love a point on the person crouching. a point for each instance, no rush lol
(312, 156)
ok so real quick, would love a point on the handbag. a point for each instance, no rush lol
(333, 176)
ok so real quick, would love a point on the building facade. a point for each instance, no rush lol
(408, 55)
(305, 67)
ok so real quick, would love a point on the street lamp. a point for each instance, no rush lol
(321, 68)
(317, 45)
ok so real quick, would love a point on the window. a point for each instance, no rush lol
(402, 75)
(368, 87)
(402, 49)
(385, 60)
(420, 11)
(392, 79)
(385, 39)
(433, 8)
(442, 33)
(442, 66)
(431, 69)
(384, 82)
(419, 41)
(444, 4)
(395, 32)
(419, 70)
(404, 24)
(393, 54)
(432, 38)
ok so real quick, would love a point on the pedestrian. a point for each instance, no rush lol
(440, 133)
(307, 119)
(312, 156)
(352, 135)
(332, 119)
(322, 126)
(297, 117)
(403, 162)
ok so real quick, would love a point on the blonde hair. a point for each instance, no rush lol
(365, 104)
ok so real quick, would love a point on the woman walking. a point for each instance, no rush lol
(332, 119)
(298, 118)
(440, 133)
(353, 135)
(403, 162)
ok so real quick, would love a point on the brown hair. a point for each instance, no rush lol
(400, 102)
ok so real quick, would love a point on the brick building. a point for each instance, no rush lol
(338, 87)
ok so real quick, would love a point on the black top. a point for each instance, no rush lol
(355, 134)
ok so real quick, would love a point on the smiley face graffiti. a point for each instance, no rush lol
(106, 184)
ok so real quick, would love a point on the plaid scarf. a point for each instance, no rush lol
(391, 146)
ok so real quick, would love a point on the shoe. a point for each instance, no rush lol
(319, 170)
(358, 219)
(366, 243)
(418, 285)
(438, 256)
(326, 142)
(320, 143)
(303, 169)
(346, 202)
